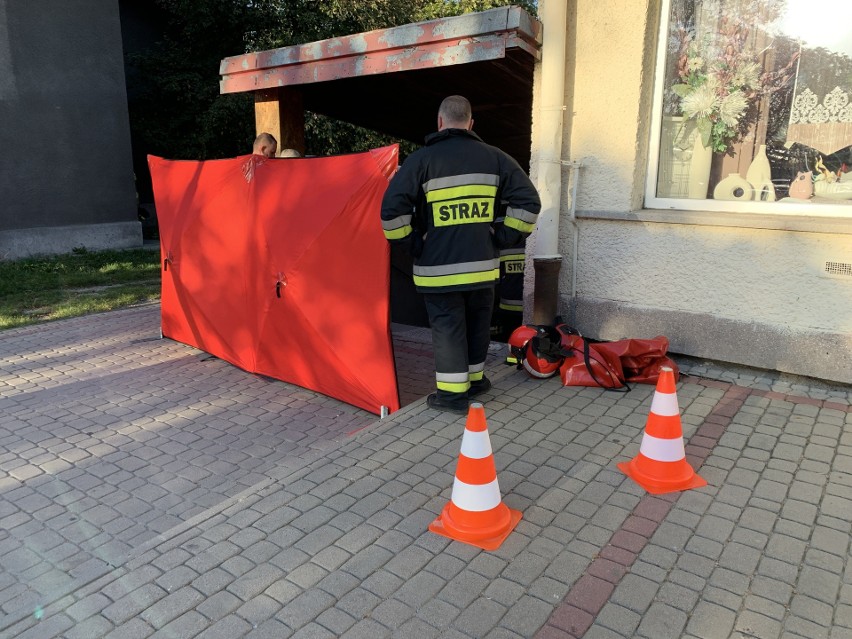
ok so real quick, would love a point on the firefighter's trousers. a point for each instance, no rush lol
(461, 333)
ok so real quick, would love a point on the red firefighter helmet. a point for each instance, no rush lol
(544, 353)
(518, 341)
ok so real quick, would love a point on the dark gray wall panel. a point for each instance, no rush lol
(64, 131)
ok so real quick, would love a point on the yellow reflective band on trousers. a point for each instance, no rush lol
(511, 307)
(454, 387)
(457, 280)
(476, 377)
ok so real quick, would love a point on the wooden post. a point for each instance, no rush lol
(279, 111)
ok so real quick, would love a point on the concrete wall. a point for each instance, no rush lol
(65, 138)
(742, 288)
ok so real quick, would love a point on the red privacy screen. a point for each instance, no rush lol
(280, 267)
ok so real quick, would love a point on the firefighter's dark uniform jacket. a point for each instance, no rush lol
(442, 205)
(511, 285)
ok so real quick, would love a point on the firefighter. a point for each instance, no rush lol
(441, 206)
(510, 288)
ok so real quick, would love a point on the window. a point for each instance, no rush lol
(753, 110)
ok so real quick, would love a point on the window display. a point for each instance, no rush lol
(755, 104)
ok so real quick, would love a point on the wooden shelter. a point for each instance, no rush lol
(393, 80)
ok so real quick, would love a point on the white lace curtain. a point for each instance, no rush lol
(821, 115)
(823, 124)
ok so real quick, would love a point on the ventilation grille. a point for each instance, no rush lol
(838, 269)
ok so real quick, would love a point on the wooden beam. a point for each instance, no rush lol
(279, 111)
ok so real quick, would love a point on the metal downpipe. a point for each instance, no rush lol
(547, 261)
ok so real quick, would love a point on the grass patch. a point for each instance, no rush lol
(35, 290)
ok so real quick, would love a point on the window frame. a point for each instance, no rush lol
(653, 202)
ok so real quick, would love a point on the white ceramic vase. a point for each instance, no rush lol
(699, 169)
(733, 187)
(759, 175)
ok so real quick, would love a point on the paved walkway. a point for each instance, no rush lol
(150, 490)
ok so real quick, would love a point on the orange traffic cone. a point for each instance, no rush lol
(476, 514)
(661, 466)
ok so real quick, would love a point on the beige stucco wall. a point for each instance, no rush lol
(609, 104)
(749, 275)
(751, 292)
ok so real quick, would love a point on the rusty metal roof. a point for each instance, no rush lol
(393, 80)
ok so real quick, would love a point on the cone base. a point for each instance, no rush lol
(684, 477)
(486, 537)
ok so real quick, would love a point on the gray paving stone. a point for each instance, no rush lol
(654, 573)
(810, 609)
(740, 558)
(133, 629)
(187, 625)
(230, 626)
(705, 547)
(678, 597)
(805, 628)
(416, 629)
(172, 606)
(88, 606)
(176, 578)
(336, 584)
(754, 624)
(437, 613)
(392, 613)
(46, 628)
(255, 581)
(764, 606)
(365, 561)
(219, 605)
(258, 609)
(92, 627)
(238, 565)
(662, 621)
(843, 617)
(819, 584)
(366, 629)
(525, 568)
(711, 621)
(382, 583)
(823, 560)
(134, 603)
(479, 618)
(358, 602)
(698, 564)
(212, 581)
(619, 619)
(634, 593)
(600, 632)
(420, 588)
(359, 538)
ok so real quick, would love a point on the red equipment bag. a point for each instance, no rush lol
(642, 359)
(587, 365)
(613, 365)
